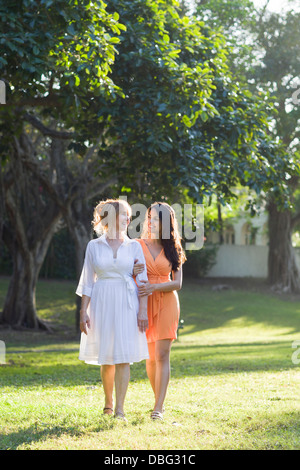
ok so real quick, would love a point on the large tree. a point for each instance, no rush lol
(265, 59)
(186, 108)
(168, 115)
(54, 55)
(278, 40)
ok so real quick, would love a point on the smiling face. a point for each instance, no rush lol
(113, 216)
(153, 224)
(122, 219)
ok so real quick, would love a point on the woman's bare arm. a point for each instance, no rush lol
(175, 284)
(142, 315)
(84, 318)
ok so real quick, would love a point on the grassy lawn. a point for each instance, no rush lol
(233, 384)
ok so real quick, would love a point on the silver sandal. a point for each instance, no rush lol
(157, 415)
(120, 415)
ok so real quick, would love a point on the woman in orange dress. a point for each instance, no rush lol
(164, 255)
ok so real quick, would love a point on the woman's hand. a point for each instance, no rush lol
(84, 322)
(142, 320)
(138, 268)
(146, 288)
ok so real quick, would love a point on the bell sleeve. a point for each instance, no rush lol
(88, 275)
(139, 255)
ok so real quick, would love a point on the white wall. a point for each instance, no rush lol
(243, 261)
(240, 261)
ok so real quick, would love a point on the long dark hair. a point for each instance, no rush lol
(168, 233)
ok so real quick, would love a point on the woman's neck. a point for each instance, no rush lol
(154, 241)
(115, 235)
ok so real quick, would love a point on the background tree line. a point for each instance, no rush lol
(136, 98)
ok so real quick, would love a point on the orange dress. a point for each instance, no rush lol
(163, 307)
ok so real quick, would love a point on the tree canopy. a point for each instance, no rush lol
(184, 120)
(130, 95)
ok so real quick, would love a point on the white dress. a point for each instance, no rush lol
(113, 337)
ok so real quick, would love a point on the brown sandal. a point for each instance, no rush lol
(107, 413)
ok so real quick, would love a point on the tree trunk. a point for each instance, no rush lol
(71, 193)
(78, 219)
(220, 221)
(31, 220)
(283, 273)
(19, 306)
(19, 309)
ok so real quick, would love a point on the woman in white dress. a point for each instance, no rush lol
(113, 319)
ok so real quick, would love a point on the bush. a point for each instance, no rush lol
(199, 262)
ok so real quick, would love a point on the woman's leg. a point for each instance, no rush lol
(122, 377)
(150, 365)
(108, 377)
(162, 371)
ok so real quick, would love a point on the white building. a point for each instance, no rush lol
(244, 251)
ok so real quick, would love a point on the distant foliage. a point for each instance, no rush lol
(199, 262)
(60, 259)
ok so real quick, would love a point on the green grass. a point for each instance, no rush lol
(233, 383)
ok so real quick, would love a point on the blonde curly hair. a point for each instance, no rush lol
(107, 208)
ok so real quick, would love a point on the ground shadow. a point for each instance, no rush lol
(186, 361)
(216, 308)
(34, 434)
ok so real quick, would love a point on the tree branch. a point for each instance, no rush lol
(98, 188)
(45, 130)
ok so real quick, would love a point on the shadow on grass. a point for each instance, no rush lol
(202, 309)
(265, 431)
(231, 358)
(60, 368)
(274, 431)
(57, 363)
(34, 434)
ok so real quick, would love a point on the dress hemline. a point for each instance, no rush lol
(98, 362)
